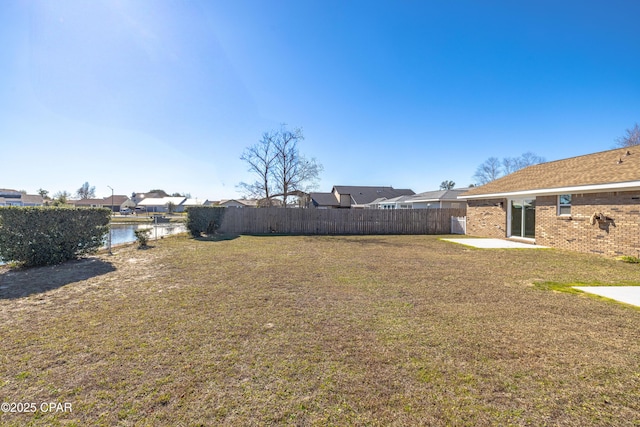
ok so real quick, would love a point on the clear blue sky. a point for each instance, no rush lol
(166, 94)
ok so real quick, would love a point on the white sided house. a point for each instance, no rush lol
(193, 202)
(162, 204)
(427, 200)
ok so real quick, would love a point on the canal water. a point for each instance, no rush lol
(124, 233)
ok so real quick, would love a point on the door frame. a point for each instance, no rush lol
(522, 227)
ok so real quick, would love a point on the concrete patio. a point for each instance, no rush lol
(626, 294)
(484, 243)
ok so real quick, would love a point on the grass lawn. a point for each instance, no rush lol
(373, 330)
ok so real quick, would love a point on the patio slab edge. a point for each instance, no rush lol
(486, 243)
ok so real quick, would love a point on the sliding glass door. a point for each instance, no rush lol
(523, 218)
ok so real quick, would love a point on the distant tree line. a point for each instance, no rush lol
(494, 168)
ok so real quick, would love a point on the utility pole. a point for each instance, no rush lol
(111, 216)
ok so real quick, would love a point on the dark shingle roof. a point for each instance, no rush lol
(5, 192)
(364, 195)
(606, 167)
(323, 199)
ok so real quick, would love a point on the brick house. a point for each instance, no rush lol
(587, 203)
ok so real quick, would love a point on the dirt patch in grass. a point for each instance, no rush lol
(393, 330)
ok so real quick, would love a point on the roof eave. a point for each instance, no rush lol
(593, 188)
(433, 200)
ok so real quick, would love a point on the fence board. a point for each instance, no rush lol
(338, 221)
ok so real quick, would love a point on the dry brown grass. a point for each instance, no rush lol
(396, 330)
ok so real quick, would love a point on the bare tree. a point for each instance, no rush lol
(529, 159)
(260, 158)
(86, 192)
(631, 138)
(488, 171)
(447, 185)
(281, 170)
(493, 168)
(512, 164)
(509, 165)
(292, 171)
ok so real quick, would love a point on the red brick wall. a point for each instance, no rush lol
(618, 236)
(487, 218)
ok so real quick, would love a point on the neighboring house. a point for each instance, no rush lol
(193, 202)
(426, 200)
(161, 204)
(588, 204)
(16, 198)
(239, 203)
(342, 196)
(439, 199)
(324, 200)
(400, 202)
(138, 197)
(115, 203)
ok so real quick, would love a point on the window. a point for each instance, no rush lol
(564, 204)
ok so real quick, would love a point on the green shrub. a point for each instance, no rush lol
(142, 235)
(204, 219)
(50, 235)
(630, 259)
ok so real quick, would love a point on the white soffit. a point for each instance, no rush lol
(626, 186)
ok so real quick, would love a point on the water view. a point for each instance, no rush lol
(124, 233)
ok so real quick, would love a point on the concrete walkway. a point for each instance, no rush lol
(494, 243)
(627, 294)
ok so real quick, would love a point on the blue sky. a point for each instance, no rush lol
(166, 94)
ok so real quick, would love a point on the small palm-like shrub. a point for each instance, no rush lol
(142, 235)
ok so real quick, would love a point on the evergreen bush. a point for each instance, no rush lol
(142, 235)
(50, 235)
(204, 219)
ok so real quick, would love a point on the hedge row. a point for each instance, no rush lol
(204, 219)
(49, 235)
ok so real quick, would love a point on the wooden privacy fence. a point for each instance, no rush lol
(338, 221)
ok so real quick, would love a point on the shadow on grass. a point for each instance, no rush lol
(23, 282)
(369, 240)
(216, 237)
(361, 239)
(145, 247)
